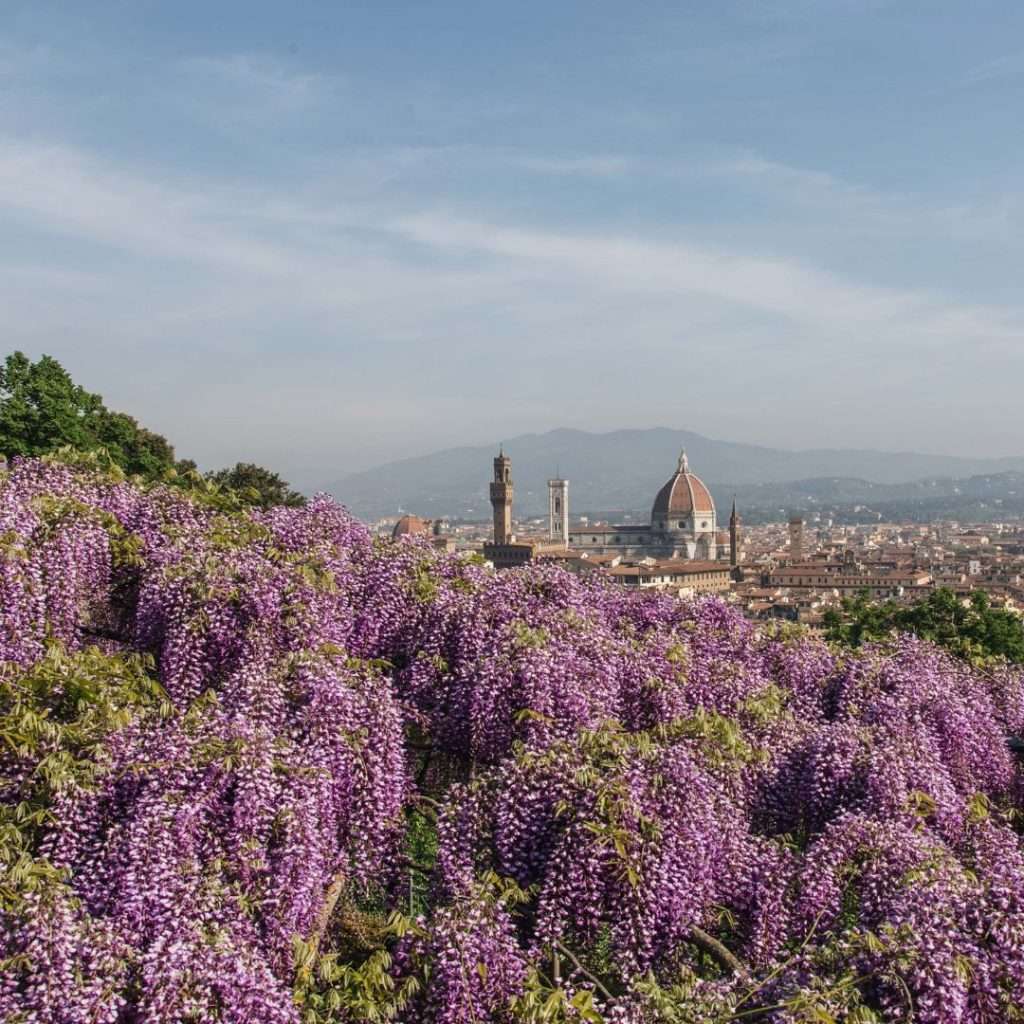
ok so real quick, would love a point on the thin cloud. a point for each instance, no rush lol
(1008, 66)
(777, 287)
(597, 166)
(249, 234)
(260, 79)
(69, 193)
(254, 248)
(22, 61)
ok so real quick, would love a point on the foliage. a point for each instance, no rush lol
(973, 630)
(257, 765)
(43, 411)
(257, 486)
(41, 408)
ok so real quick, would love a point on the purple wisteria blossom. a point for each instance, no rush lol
(263, 766)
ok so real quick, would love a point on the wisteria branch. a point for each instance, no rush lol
(574, 960)
(717, 951)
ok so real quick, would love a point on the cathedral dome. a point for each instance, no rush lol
(411, 526)
(683, 495)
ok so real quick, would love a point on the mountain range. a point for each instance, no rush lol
(623, 469)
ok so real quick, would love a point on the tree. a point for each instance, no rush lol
(973, 630)
(41, 408)
(256, 485)
(134, 448)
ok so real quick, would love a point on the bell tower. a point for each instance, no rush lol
(734, 536)
(501, 498)
(796, 539)
(558, 511)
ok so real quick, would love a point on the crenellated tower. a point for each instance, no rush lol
(501, 498)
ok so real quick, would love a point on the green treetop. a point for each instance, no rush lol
(973, 630)
(43, 410)
(256, 485)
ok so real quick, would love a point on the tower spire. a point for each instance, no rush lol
(684, 465)
(734, 536)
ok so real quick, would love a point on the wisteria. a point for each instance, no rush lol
(263, 766)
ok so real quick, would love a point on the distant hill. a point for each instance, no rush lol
(983, 498)
(623, 469)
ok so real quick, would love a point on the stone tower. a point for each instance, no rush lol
(501, 498)
(734, 536)
(796, 539)
(558, 511)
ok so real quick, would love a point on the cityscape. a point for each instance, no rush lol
(790, 571)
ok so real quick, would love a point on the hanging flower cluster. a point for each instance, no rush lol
(261, 766)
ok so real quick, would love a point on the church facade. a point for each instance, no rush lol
(683, 524)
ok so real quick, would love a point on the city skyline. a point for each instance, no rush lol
(328, 240)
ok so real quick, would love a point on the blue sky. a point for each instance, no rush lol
(324, 235)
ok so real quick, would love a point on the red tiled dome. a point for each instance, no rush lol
(683, 495)
(409, 526)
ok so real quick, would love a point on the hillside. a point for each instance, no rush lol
(623, 469)
(973, 499)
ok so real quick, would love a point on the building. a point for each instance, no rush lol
(411, 526)
(505, 551)
(682, 526)
(852, 579)
(680, 576)
(511, 553)
(501, 498)
(796, 539)
(432, 529)
(734, 541)
(682, 530)
(558, 512)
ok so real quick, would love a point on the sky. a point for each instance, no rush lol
(322, 236)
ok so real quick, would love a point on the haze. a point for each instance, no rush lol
(324, 236)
